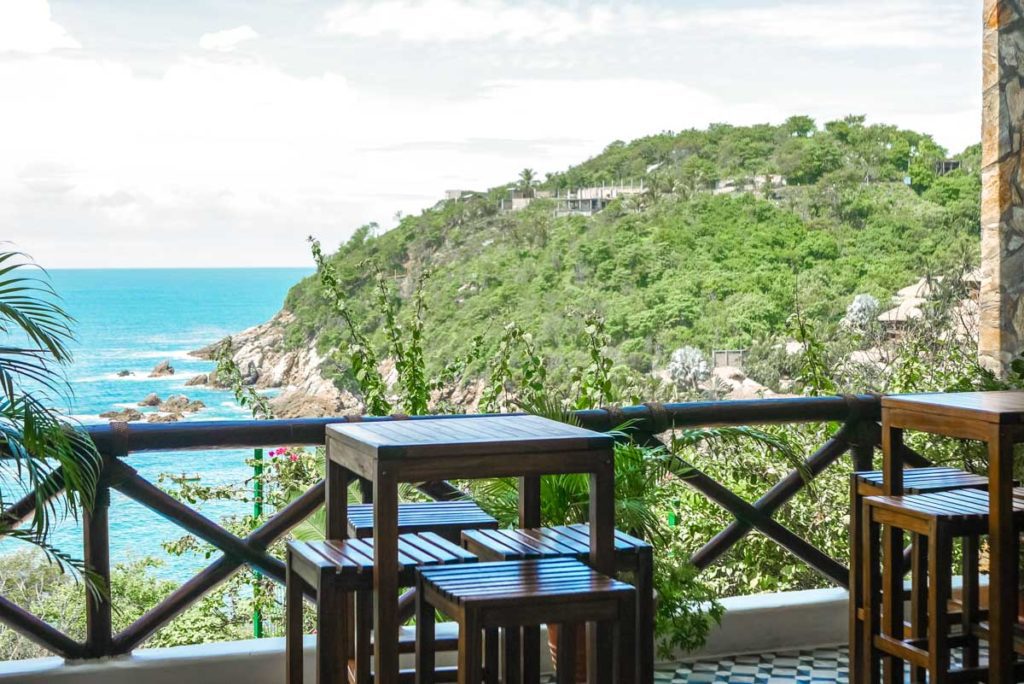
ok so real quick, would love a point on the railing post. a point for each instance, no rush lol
(257, 514)
(862, 445)
(96, 535)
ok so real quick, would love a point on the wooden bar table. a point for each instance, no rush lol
(388, 453)
(997, 419)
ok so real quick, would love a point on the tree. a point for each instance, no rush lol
(861, 312)
(41, 451)
(688, 368)
(800, 126)
(527, 179)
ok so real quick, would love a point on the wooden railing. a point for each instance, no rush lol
(858, 434)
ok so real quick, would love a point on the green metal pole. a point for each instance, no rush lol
(257, 513)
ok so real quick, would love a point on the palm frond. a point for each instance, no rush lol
(39, 446)
(717, 438)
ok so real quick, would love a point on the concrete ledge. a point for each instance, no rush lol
(761, 623)
(778, 622)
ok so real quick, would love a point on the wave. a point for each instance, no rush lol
(173, 354)
(139, 376)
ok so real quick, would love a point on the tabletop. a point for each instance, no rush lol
(476, 436)
(1003, 407)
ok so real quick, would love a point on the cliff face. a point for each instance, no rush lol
(266, 363)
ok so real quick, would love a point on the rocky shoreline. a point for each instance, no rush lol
(267, 363)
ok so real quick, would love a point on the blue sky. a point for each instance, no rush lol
(222, 133)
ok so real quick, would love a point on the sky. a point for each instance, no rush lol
(195, 133)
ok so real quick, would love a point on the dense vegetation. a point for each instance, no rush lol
(678, 265)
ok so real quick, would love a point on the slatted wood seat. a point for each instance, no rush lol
(573, 541)
(445, 518)
(336, 571)
(870, 483)
(511, 594)
(937, 519)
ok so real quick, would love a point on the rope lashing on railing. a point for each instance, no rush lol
(659, 417)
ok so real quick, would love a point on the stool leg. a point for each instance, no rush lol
(940, 561)
(470, 650)
(363, 631)
(513, 657)
(918, 597)
(628, 656)
(565, 667)
(892, 599)
(331, 633)
(425, 647)
(856, 601)
(871, 595)
(491, 655)
(293, 625)
(969, 595)
(645, 618)
(531, 654)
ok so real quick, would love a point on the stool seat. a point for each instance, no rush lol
(573, 541)
(545, 581)
(966, 509)
(563, 541)
(445, 518)
(926, 480)
(515, 595)
(350, 561)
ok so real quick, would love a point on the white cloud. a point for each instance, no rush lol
(842, 24)
(26, 27)
(228, 39)
(201, 160)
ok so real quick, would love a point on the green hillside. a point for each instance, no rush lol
(678, 265)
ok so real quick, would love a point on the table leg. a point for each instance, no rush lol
(1003, 563)
(892, 551)
(601, 642)
(337, 500)
(385, 577)
(293, 624)
(529, 517)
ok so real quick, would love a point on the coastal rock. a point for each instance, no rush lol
(201, 379)
(128, 415)
(124, 373)
(151, 400)
(301, 405)
(161, 369)
(163, 417)
(267, 362)
(179, 403)
(251, 375)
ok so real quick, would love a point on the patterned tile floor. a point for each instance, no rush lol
(815, 665)
(818, 665)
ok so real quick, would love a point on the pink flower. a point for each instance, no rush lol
(293, 457)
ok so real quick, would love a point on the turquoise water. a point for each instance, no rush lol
(131, 320)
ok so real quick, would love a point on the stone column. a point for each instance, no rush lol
(1001, 336)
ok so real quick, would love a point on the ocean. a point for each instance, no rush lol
(131, 320)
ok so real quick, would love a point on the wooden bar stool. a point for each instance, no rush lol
(870, 483)
(937, 519)
(447, 519)
(573, 541)
(336, 571)
(509, 595)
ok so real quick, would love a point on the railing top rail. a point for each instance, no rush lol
(123, 439)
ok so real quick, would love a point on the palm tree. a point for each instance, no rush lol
(42, 454)
(527, 179)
